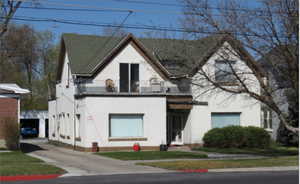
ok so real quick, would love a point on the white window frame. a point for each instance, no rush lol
(125, 137)
(129, 77)
(267, 119)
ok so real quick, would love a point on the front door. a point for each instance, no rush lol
(175, 128)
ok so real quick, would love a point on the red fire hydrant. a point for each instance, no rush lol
(136, 147)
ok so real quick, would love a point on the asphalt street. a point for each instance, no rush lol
(282, 177)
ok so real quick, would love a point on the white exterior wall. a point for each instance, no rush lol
(94, 111)
(220, 101)
(96, 119)
(64, 107)
(82, 109)
(52, 120)
(128, 55)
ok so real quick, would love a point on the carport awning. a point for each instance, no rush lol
(180, 102)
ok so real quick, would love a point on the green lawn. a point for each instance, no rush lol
(151, 155)
(17, 163)
(218, 164)
(272, 151)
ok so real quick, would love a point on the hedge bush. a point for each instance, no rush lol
(11, 133)
(237, 137)
(257, 137)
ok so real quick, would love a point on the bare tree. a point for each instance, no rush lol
(20, 47)
(270, 29)
(7, 11)
(48, 53)
(114, 31)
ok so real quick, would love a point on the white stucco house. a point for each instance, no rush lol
(121, 91)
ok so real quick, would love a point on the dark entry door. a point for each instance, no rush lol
(175, 126)
(46, 128)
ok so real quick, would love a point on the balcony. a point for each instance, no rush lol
(139, 88)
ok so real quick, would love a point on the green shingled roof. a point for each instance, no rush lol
(85, 52)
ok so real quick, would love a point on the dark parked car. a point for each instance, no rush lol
(28, 131)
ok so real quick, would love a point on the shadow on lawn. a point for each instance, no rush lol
(27, 147)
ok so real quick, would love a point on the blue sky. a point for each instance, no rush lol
(148, 15)
(155, 15)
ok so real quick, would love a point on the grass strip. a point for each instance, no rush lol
(272, 151)
(17, 163)
(220, 164)
(152, 155)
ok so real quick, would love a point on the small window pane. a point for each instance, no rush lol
(126, 126)
(124, 77)
(224, 72)
(134, 77)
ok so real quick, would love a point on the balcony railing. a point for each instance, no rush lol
(139, 88)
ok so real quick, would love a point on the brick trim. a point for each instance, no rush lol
(89, 149)
(128, 139)
(195, 145)
(129, 148)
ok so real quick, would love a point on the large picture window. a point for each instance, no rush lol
(220, 120)
(125, 125)
(129, 77)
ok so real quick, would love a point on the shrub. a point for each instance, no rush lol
(257, 137)
(237, 137)
(11, 133)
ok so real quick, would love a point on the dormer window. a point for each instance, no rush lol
(129, 77)
(224, 71)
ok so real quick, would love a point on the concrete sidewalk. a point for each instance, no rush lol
(212, 155)
(195, 159)
(256, 169)
(81, 163)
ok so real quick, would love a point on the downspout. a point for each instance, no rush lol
(57, 118)
(74, 118)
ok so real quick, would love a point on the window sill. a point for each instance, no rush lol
(128, 139)
(268, 130)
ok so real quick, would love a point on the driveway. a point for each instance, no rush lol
(81, 163)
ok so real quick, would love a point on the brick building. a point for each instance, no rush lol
(9, 104)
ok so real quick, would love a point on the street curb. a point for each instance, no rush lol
(194, 170)
(253, 169)
(28, 177)
(256, 169)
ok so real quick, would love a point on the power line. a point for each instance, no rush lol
(111, 10)
(95, 8)
(128, 26)
(75, 9)
(113, 34)
(182, 6)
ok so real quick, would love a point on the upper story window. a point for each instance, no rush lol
(224, 71)
(129, 77)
